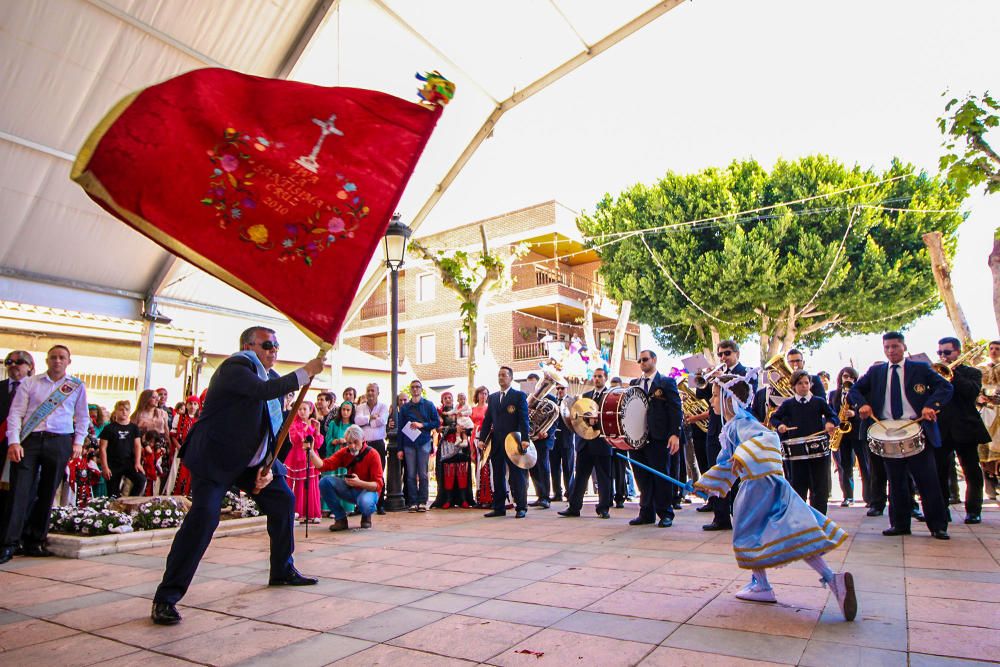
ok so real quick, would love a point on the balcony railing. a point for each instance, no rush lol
(380, 308)
(537, 276)
(524, 351)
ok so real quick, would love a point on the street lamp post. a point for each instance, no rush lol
(395, 250)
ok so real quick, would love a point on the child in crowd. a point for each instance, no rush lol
(302, 477)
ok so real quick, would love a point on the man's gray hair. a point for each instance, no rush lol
(354, 432)
(249, 336)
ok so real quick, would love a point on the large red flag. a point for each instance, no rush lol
(273, 186)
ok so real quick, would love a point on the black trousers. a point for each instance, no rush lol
(128, 472)
(879, 481)
(45, 457)
(968, 457)
(700, 454)
(540, 473)
(586, 463)
(618, 479)
(379, 446)
(275, 500)
(518, 477)
(849, 450)
(923, 470)
(811, 480)
(562, 463)
(655, 497)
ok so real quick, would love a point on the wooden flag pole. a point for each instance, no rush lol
(283, 433)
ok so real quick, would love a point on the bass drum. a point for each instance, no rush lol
(623, 417)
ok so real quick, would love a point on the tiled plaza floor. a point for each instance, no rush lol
(452, 588)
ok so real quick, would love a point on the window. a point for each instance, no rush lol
(425, 348)
(425, 286)
(631, 347)
(462, 349)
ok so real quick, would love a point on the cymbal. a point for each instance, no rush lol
(523, 455)
(582, 409)
(566, 410)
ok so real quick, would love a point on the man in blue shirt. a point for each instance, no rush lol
(417, 418)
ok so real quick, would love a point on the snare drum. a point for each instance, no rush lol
(808, 447)
(895, 439)
(623, 417)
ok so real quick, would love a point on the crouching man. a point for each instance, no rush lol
(362, 485)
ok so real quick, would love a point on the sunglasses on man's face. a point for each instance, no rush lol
(15, 362)
(644, 359)
(945, 353)
(725, 353)
(269, 345)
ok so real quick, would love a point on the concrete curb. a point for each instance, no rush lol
(80, 546)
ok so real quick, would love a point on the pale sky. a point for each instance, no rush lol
(717, 80)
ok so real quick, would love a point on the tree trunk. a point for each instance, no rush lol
(473, 362)
(588, 326)
(619, 343)
(942, 276)
(716, 339)
(994, 263)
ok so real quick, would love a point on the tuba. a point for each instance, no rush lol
(542, 410)
(779, 377)
(692, 405)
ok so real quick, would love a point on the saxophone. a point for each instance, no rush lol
(845, 421)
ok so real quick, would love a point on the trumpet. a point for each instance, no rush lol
(845, 426)
(703, 377)
(947, 371)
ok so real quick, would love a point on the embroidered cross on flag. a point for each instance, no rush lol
(266, 184)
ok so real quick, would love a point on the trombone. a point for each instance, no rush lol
(947, 371)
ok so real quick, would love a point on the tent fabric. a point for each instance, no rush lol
(65, 63)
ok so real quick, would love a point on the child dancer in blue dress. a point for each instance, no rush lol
(772, 525)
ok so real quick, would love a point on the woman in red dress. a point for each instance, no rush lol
(185, 420)
(302, 477)
(484, 491)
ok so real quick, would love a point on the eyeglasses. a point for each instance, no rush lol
(16, 362)
(945, 353)
(644, 359)
(726, 353)
(269, 345)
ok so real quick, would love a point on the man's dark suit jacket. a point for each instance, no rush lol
(664, 415)
(959, 420)
(229, 431)
(503, 417)
(714, 420)
(923, 387)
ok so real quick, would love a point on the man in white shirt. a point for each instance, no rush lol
(50, 411)
(372, 417)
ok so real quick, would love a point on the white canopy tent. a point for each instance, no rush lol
(66, 62)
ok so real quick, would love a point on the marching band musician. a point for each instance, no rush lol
(797, 362)
(898, 390)
(853, 443)
(663, 421)
(729, 354)
(506, 412)
(962, 430)
(989, 454)
(807, 414)
(592, 455)
(541, 471)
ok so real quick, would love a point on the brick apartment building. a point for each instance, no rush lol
(547, 297)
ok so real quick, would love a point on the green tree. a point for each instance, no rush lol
(473, 277)
(767, 264)
(971, 161)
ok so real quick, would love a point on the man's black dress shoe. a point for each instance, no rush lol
(874, 512)
(665, 522)
(892, 532)
(973, 518)
(603, 515)
(620, 504)
(293, 578)
(703, 508)
(37, 551)
(6, 553)
(677, 506)
(717, 526)
(568, 512)
(380, 511)
(639, 521)
(940, 535)
(520, 514)
(490, 515)
(165, 614)
(536, 503)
